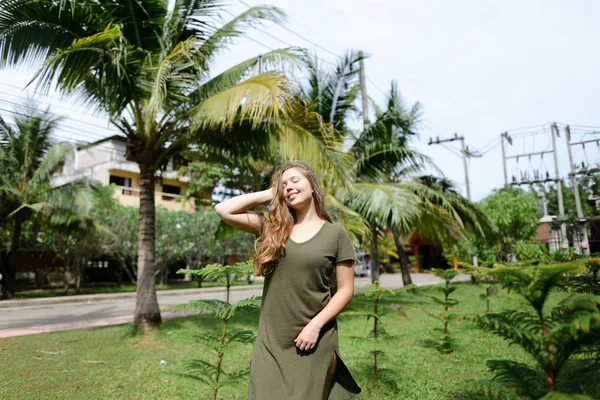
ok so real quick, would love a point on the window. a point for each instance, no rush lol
(176, 190)
(120, 181)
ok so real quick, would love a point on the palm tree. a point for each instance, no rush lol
(383, 193)
(379, 152)
(146, 64)
(434, 182)
(28, 158)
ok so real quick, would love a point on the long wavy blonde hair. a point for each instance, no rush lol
(279, 221)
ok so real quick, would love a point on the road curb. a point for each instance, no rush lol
(4, 304)
(111, 296)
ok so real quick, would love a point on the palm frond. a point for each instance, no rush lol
(258, 99)
(58, 154)
(304, 136)
(382, 202)
(238, 26)
(233, 75)
(31, 32)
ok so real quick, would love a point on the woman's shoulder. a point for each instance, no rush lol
(336, 226)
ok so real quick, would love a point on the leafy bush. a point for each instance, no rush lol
(531, 251)
(225, 342)
(379, 339)
(552, 338)
(445, 344)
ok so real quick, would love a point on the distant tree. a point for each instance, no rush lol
(515, 214)
(586, 184)
(28, 158)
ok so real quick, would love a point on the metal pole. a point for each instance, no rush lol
(504, 158)
(363, 90)
(561, 206)
(584, 241)
(464, 153)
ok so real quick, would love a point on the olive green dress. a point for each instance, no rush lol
(297, 290)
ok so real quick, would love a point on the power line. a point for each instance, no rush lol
(451, 150)
(298, 35)
(317, 45)
(512, 131)
(94, 136)
(60, 127)
(376, 87)
(50, 102)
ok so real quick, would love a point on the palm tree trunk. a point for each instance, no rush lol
(147, 311)
(374, 255)
(406, 279)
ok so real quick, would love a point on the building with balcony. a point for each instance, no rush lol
(105, 162)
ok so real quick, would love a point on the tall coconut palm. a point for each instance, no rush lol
(400, 235)
(146, 64)
(388, 157)
(385, 196)
(28, 158)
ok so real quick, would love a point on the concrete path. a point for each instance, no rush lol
(25, 317)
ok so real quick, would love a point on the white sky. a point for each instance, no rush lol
(479, 67)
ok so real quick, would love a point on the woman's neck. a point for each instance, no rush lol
(307, 215)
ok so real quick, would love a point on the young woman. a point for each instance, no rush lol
(307, 261)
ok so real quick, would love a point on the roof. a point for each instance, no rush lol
(117, 138)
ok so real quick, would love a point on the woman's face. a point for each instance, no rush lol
(295, 188)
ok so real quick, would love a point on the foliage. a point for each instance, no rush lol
(102, 359)
(585, 183)
(148, 67)
(531, 252)
(552, 338)
(515, 215)
(588, 282)
(445, 344)
(490, 292)
(78, 244)
(563, 255)
(28, 158)
(379, 338)
(227, 343)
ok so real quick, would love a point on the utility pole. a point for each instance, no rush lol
(465, 154)
(363, 90)
(561, 206)
(260, 64)
(366, 123)
(509, 139)
(584, 247)
(537, 178)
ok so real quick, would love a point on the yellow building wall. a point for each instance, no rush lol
(132, 198)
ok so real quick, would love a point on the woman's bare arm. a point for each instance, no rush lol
(235, 212)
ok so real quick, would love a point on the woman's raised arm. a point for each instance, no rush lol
(235, 212)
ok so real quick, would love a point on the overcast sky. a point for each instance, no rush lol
(479, 67)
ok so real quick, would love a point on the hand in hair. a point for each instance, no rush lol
(234, 211)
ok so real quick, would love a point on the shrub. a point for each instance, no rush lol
(225, 343)
(552, 337)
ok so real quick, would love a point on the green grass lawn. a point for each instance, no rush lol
(100, 289)
(117, 363)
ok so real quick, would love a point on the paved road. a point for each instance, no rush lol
(26, 319)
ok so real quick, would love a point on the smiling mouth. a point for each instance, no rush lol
(293, 194)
